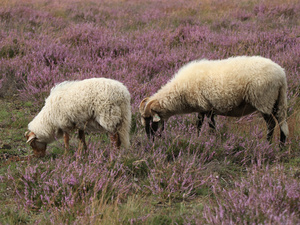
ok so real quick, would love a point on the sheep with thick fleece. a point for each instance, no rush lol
(235, 87)
(96, 104)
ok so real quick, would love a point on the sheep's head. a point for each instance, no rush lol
(150, 117)
(39, 148)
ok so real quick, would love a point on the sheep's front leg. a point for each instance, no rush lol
(200, 122)
(81, 137)
(162, 128)
(211, 122)
(115, 140)
(211, 116)
(66, 141)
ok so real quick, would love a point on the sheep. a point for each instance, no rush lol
(96, 104)
(233, 87)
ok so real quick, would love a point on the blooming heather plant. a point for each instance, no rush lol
(264, 196)
(61, 183)
(230, 176)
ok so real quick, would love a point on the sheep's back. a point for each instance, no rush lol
(226, 83)
(78, 101)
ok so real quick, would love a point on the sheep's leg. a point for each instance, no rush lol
(282, 138)
(115, 140)
(200, 121)
(211, 122)
(282, 133)
(271, 123)
(162, 126)
(81, 137)
(66, 141)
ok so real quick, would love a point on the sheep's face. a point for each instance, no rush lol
(149, 117)
(39, 148)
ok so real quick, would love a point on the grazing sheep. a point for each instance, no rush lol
(96, 104)
(235, 87)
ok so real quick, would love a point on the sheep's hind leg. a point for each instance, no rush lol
(115, 140)
(211, 122)
(282, 138)
(82, 143)
(283, 128)
(271, 123)
(200, 121)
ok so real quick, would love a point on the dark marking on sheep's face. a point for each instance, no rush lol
(39, 148)
(150, 116)
(150, 126)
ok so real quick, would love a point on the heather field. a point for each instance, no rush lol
(231, 176)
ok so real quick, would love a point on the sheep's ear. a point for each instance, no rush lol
(30, 136)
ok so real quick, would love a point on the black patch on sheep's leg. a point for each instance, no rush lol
(162, 128)
(81, 137)
(271, 123)
(200, 122)
(282, 138)
(211, 122)
(282, 135)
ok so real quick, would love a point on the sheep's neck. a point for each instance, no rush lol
(173, 104)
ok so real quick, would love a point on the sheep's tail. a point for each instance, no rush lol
(124, 128)
(280, 112)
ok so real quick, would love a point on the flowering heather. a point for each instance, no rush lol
(264, 196)
(231, 176)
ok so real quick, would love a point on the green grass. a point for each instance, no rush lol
(4, 115)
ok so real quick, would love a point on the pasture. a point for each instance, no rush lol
(231, 176)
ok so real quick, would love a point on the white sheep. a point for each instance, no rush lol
(96, 104)
(235, 87)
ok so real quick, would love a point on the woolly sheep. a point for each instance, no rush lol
(96, 104)
(234, 87)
